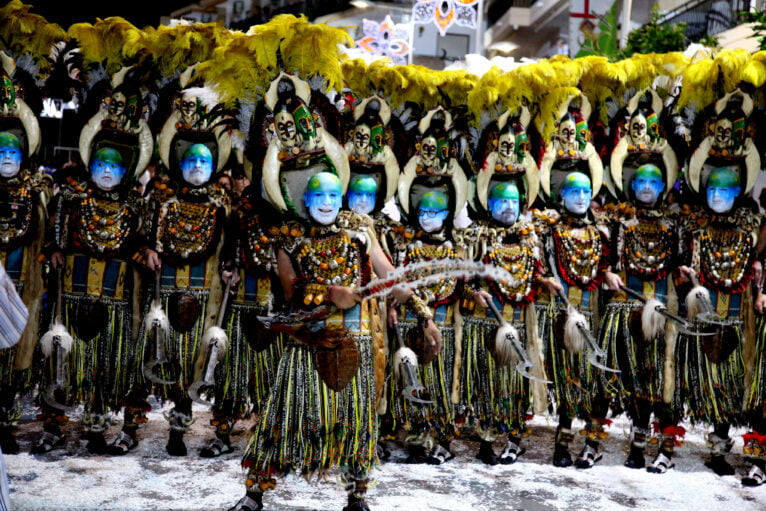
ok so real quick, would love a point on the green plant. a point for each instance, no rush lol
(758, 17)
(603, 42)
(655, 37)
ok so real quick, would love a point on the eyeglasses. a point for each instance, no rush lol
(429, 214)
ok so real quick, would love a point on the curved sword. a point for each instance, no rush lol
(594, 351)
(217, 347)
(524, 362)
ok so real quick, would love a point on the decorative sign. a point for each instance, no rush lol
(443, 13)
(386, 39)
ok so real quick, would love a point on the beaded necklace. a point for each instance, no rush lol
(103, 225)
(579, 251)
(331, 261)
(16, 219)
(440, 291)
(648, 249)
(188, 228)
(519, 261)
(724, 258)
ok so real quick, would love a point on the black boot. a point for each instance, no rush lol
(221, 444)
(637, 446)
(663, 462)
(589, 455)
(757, 475)
(8, 443)
(719, 465)
(176, 445)
(561, 456)
(96, 442)
(179, 423)
(512, 450)
(417, 454)
(252, 501)
(486, 454)
(125, 441)
(719, 447)
(356, 504)
(356, 486)
(52, 436)
(440, 453)
(97, 424)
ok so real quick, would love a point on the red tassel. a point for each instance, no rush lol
(754, 436)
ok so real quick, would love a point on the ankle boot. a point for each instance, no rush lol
(561, 456)
(719, 447)
(97, 424)
(356, 486)
(486, 454)
(179, 423)
(637, 446)
(589, 456)
(662, 463)
(252, 501)
(9, 417)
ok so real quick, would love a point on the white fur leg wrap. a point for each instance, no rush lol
(696, 300)
(157, 315)
(652, 322)
(573, 337)
(504, 352)
(403, 355)
(57, 333)
(216, 334)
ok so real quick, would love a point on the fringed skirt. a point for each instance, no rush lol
(756, 397)
(180, 347)
(641, 363)
(572, 376)
(243, 378)
(307, 428)
(494, 399)
(436, 377)
(710, 376)
(98, 366)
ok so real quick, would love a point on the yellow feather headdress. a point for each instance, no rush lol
(110, 41)
(24, 32)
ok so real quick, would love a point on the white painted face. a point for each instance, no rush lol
(723, 131)
(285, 125)
(506, 145)
(361, 137)
(568, 132)
(638, 127)
(428, 148)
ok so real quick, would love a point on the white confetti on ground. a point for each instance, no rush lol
(148, 479)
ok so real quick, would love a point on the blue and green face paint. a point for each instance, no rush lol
(323, 197)
(433, 210)
(10, 154)
(197, 164)
(504, 202)
(723, 188)
(647, 184)
(362, 194)
(107, 168)
(576, 193)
